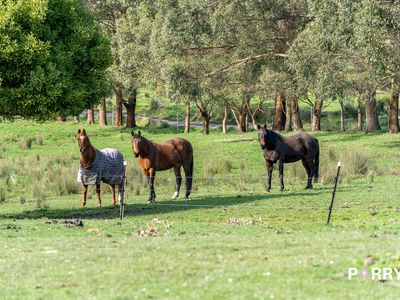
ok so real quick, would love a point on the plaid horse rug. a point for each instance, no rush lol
(107, 166)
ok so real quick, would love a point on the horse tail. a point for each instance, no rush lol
(191, 174)
(189, 177)
(316, 162)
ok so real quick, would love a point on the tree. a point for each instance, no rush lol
(228, 42)
(53, 59)
(128, 24)
(103, 112)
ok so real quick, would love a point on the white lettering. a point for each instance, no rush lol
(387, 274)
(352, 272)
(376, 273)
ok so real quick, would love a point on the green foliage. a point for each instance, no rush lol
(60, 55)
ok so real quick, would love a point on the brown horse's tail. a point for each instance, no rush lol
(189, 179)
(191, 175)
(316, 162)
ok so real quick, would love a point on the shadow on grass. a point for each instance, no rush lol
(112, 212)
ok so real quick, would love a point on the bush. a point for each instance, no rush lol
(2, 195)
(39, 140)
(39, 194)
(135, 180)
(356, 162)
(26, 143)
(63, 181)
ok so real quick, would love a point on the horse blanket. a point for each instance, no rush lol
(107, 166)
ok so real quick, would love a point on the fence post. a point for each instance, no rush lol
(334, 191)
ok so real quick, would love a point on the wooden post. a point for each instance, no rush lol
(334, 191)
(122, 194)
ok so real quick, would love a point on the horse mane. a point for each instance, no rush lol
(148, 143)
(272, 138)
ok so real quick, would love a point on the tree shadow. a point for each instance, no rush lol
(163, 207)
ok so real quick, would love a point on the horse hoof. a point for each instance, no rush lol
(309, 187)
(281, 190)
(267, 191)
(175, 195)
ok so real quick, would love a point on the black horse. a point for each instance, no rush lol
(300, 146)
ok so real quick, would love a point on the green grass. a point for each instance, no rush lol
(231, 241)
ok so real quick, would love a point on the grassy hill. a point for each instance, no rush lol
(231, 241)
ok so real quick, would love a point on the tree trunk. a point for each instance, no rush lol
(90, 116)
(317, 110)
(103, 113)
(297, 125)
(371, 113)
(187, 117)
(280, 113)
(359, 115)
(289, 115)
(118, 105)
(130, 106)
(342, 125)
(394, 107)
(224, 121)
(206, 123)
(241, 121)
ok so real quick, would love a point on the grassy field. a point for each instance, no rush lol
(231, 241)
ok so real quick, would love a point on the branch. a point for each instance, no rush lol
(242, 61)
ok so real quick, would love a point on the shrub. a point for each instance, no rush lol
(39, 194)
(2, 195)
(63, 181)
(356, 162)
(39, 140)
(26, 143)
(154, 105)
(5, 168)
(135, 180)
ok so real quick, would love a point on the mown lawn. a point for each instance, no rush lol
(231, 241)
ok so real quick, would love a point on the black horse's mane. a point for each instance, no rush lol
(271, 139)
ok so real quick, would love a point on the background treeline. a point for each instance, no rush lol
(234, 59)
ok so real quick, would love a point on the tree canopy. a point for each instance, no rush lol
(53, 59)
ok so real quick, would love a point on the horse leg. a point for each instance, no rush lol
(188, 168)
(84, 193)
(98, 195)
(270, 168)
(281, 175)
(178, 177)
(112, 188)
(152, 174)
(309, 174)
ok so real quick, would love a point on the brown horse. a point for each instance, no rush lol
(154, 157)
(300, 146)
(106, 165)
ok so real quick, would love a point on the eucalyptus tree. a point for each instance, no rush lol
(53, 59)
(227, 42)
(377, 32)
(128, 24)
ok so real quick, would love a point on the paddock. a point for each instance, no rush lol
(231, 238)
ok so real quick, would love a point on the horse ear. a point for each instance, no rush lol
(132, 133)
(84, 132)
(265, 126)
(139, 133)
(258, 126)
(79, 131)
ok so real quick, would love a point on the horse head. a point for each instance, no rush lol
(83, 142)
(138, 144)
(262, 132)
